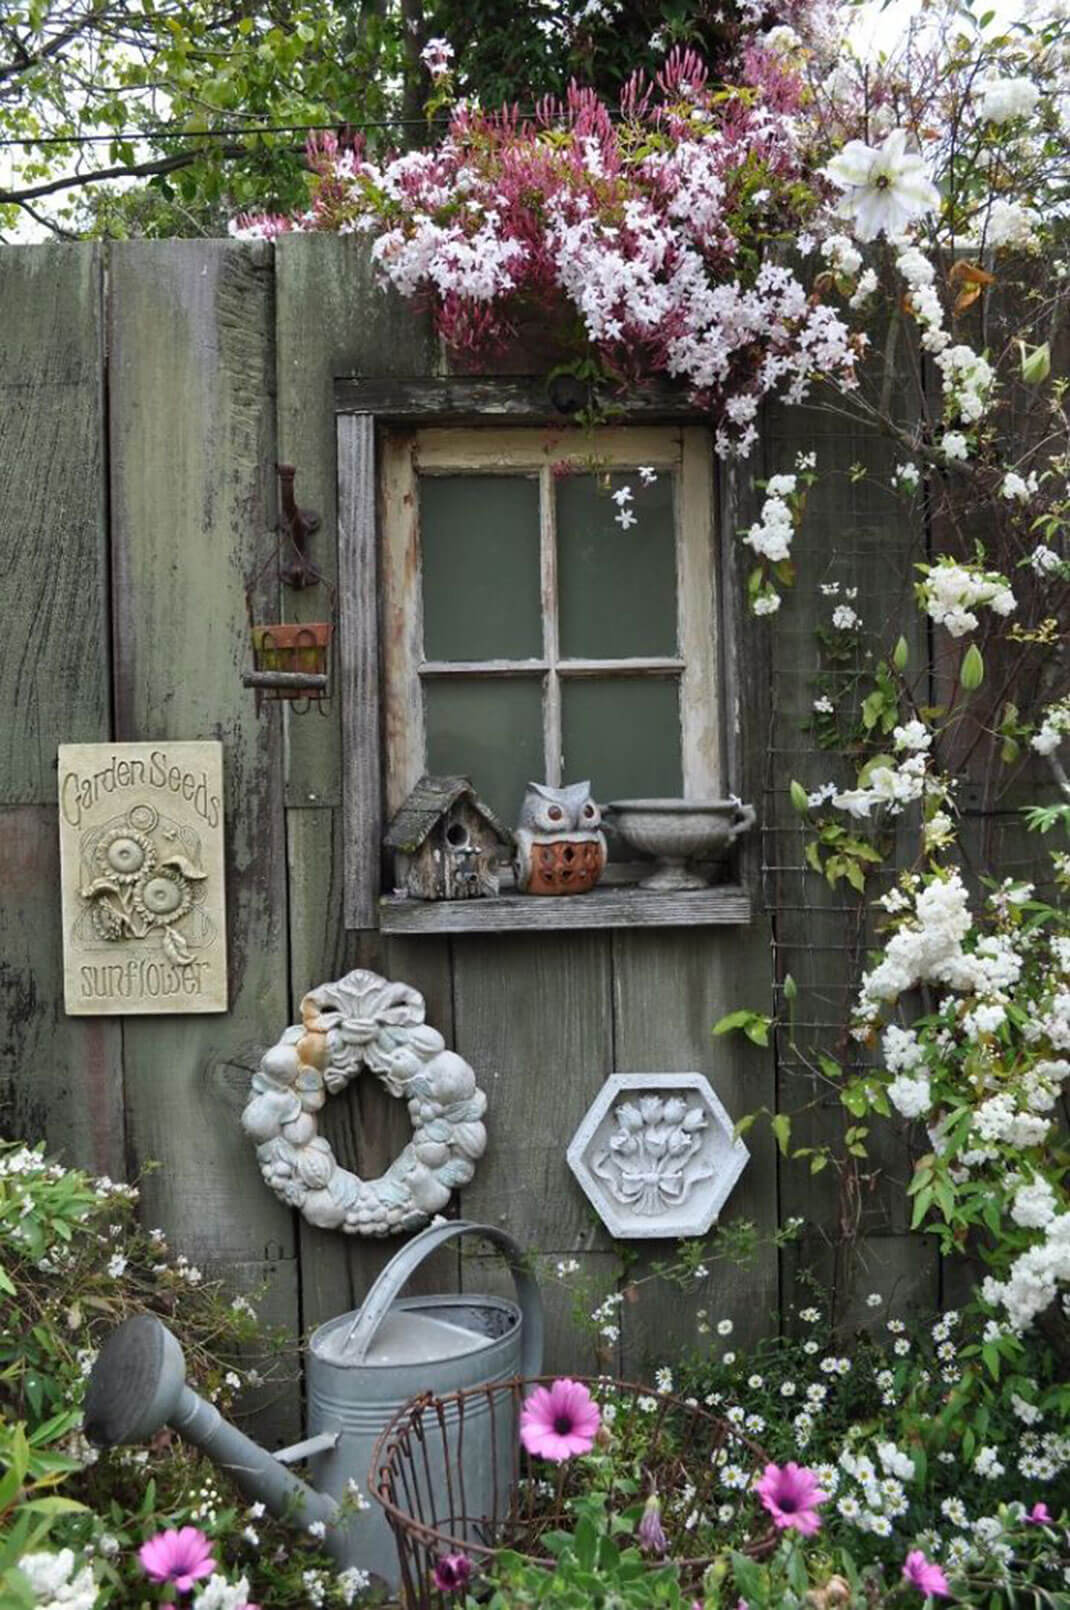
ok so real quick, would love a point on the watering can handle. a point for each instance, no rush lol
(405, 1263)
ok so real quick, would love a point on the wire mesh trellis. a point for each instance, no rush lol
(452, 1478)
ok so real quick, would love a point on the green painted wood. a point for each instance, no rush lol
(331, 319)
(668, 991)
(192, 453)
(533, 1016)
(54, 672)
(60, 1076)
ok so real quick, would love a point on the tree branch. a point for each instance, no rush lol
(129, 170)
(48, 223)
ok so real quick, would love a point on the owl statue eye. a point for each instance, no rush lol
(588, 810)
(555, 813)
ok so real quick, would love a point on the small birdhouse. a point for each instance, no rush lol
(447, 843)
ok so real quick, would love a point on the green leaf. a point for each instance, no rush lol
(1036, 362)
(901, 654)
(972, 670)
(730, 1021)
(799, 797)
(781, 1127)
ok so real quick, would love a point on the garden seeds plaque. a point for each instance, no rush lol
(141, 854)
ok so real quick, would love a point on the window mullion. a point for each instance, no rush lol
(551, 702)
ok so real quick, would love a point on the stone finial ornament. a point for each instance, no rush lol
(656, 1155)
(363, 1021)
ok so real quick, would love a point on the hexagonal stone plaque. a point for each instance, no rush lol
(656, 1155)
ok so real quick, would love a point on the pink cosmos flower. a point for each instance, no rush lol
(560, 1421)
(791, 1495)
(179, 1557)
(924, 1575)
(1039, 1516)
(451, 1572)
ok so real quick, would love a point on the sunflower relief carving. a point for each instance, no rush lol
(144, 876)
(141, 842)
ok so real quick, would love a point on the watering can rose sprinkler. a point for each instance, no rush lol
(364, 1366)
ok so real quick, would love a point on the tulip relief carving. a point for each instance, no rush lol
(654, 1158)
(657, 1155)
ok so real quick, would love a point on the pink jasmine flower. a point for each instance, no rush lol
(451, 1572)
(650, 1532)
(559, 1421)
(791, 1495)
(1038, 1516)
(924, 1575)
(179, 1557)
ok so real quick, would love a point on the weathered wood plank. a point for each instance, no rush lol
(668, 991)
(572, 1346)
(192, 458)
(270, 1411)
(331, 318)
(60, 1077)
(422, 398)
(365, 1127)
(904, 1270)
(607, 906)
(533, 1017)
(53, 552)
(358, 668)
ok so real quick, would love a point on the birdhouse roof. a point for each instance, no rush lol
(425, 807)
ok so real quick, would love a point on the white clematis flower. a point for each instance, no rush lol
(884, 187)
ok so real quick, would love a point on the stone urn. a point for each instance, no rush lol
(678, 832)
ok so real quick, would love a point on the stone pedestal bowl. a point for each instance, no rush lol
(679, 831)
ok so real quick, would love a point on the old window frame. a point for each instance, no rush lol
(405, 456)
(362, 408)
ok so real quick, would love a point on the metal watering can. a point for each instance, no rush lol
(361, 1369)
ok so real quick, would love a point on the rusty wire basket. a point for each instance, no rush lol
(452, 1477)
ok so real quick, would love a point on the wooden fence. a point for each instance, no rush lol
(146, 392)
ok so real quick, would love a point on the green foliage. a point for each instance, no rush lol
(176, 85)
(74, 1262)
(596, 1567)
(755, 1025)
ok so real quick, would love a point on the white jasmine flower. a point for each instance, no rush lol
(437, 55)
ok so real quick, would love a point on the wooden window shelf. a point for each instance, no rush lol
(609, 906)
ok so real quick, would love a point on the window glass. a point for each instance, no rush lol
(617, 588)
(488, 729)
(480, 538)
(624, 734)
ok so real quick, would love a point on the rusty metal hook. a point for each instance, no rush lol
(298, 525)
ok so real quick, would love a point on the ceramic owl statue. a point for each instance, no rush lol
(559, 846)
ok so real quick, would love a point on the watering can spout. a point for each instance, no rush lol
(138, 1385)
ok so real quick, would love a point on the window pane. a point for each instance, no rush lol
(488, 729)
(624, 734)
(480, 539)
(617, 588)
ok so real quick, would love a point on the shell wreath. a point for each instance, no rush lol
(363, 1021)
